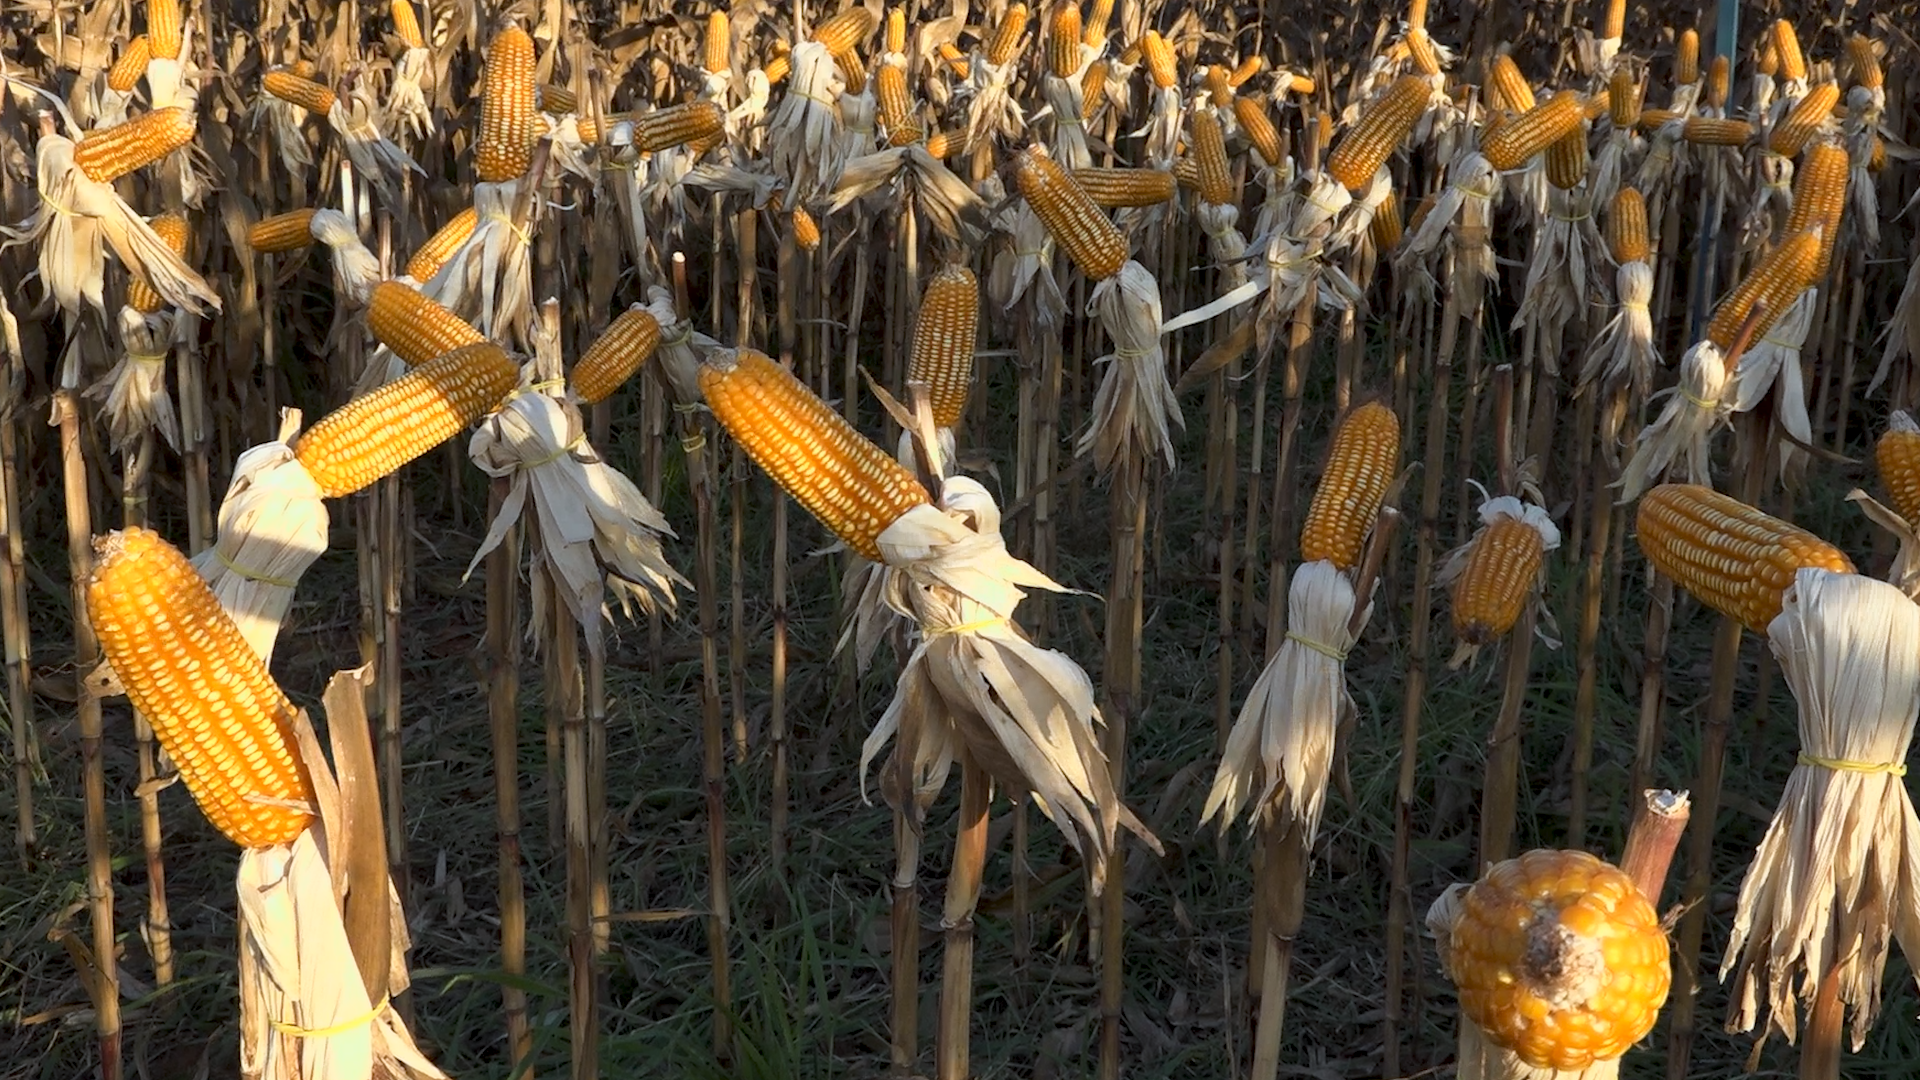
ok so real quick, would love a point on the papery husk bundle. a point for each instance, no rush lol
(1664, 168)
(133, 393)
(406, 102)
(1025, 268)
(1135, 408)
(1772, 199)
(1837, 878)
(1557, 293)
(355, 269)
(355, 119)
(943, 199)
(1621, 146)
(1064, 97)
(988, 95)
(1700, 402)
(1356, 220)
(1464, 213)
(804, 142)
(1903, 330)
(1624, 355)
(1162, 129)
(1865, 106)
(489, 280)
(284, 120)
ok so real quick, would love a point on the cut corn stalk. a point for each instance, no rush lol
(1733, 558)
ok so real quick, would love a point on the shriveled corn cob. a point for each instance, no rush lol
(290, 231)
(955, 60)
(1716, 131)
(415, 327)
(943, 337)
(1567, 160)
(377, 432)
(125, 73)
(1533, 131)
(1360, 467)
(509, 122)
(1258, 128)
(1718, 74)
(1623, 99)
(106, 156)
(845, 31)
(557, 100)
(171, 228)
(1897, 457)
(1786, 45)
(1508, 89)
(296, 89)
(616, 354)
(406, 24)
(1005, 45)
(1686, 58)
(1113, 188)
(1158, 54)
(1808, 117)
(718, 42)
(163, 28)
(677, 124)
(1819, 198)
(1082, 230)
(1734, 558)
(1386, 226)
(947, 144)
(1421, 53)
(1780, 276)
(1865, 62)
(1501, 570)
(1063, 41)
(192, 676)
(1381, 128)
(432, 255)
(806, 231)
(852, 486)
(1209, 152)
(1627, 227)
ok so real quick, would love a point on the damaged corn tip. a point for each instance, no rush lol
(1733, 558)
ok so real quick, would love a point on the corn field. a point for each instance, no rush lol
(1331, 540)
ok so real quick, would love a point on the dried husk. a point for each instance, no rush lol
(1903, 330)
(355, 269)
(1865, 107)
(1135, 404)
(987, 93)
(1622, 145)
(284, 119)
(1771, 364)
(1624, 355)
(1772, 200)
(1025, 268)
(804, 142)
(407, 109)
(943, 199)
(489, 279)
(1700, 402)
(1558, 293)
(133, 394)
(1463, 214)
(355, 119)
(1064, 98)
(1162, 129)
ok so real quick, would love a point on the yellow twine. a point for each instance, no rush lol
(519, 233)
(146, 357)
(330, 1031)
(1132, 354)
(817, 99)
(1635, 305)
(685, 336)
(687, 408)
(1698, 402)
(1574, 218)
(1338, 656)
(693, 443)
(973, 627)
(1891, 768)
(251, 575)
(578, 440)
(63, 211)
(1323, 207)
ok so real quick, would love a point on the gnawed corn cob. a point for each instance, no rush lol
(1716, 131)
(298, 90)
(163, 28)
(1381, 128)
(1502, 567)
(1386, 226)
(1005, 45)
(406, 24)
(377, 432)
(1258, 128)
(433, 254)
(1732, 557)
(1082, 230)
(943, 336)
(1780, 276)
(1627, 227)
(415, 327)
(1819, 198)
(1786, 45)
(616, 354)
(1865, 62)
(677, 124)
(1623, 99)
(191, 675)
(852, 486)
(509, 122)
(1533, 131)
(1812, 114)
(1567, 160)
(125, 73)
(806, 231)
(1209, 153)
(1113, 188)
(1686, 58)
(106, 156)
(1158, 54)
(171, 228)
(1063, 41)
(1718, 74)
(1897, 457)
(844, 32)
(290, 231)
(1360, 467)
(1507, 88)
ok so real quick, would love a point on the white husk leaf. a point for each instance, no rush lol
(803, 136)
(406, 103)
(489, 279)
(1903, 330)
(1064, 100)
(1026, 267)
(944, 199)
(1681, 434)
(1771, 364)
(355, 269)
(1135, 404)
(1624, 355)
(355, 118)
(991, 109)
(1904, 573)
(285, 119)
(1620, 146)
(1162, 129)
(1558, 293)
(133, 395)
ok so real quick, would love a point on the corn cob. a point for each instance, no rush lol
(779, 64)
(415, 327)
(1098, 16)
(890, 95)
(1416, 13)
(943, 336)
(1422, 209)
(1082, 230)
(1768, 62)
(1386, 227)
(125, 73)
(1734, 558)
(1865, 62)
(1716, 131)
(406, 24)
(718, 42)
(377, 432)
(1560, 959)
(1005, 45)
(1615, 24)
(1598, 105)
(1501, 570)
(616, 354)
(1299, 84)
(1654, 119)
(895, 38)
(806, 231)
(1808, 117)
(508, 120)
(163, 28)
(1093, 90)
(557, 100)
(299, 90)
(1360, 466)
(846, 31)
(1819, 198)
(433, 254)
(1532, 131)
(1623, 99)
(1185, 173)
(956, 60)
(280, 233)
(1063, 41)
(677, 124)
(1786, 44)
(852, 486)
(947, 144)
(1718, 74)
(1507, 88)
(106, 156)
(1420, 51)
(1686, 58)
(1780, 276)
(1877, 157)
(1113, 188)
(1253, 64)
(1897, 456)
(1158, 53)
(1567, 160)
(1381, 128)
(1259, 129)
(853, 70)
(1209, 152)
(171, 228)
(191, 675)
(1627, 227)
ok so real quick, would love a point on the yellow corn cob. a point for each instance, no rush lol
(1877, 157)
(943, 334)
(852, 486)
(290, 231)
(298, 90)
(106, 156)
(1599, 105)
(853, 70)
(132, 63)
(1420, 50)
(1098, 16)
(1897, 456)
(1323, 128)
(1734, 558)
(956, 60)
(1776, 280)
(1005, 45)
(406, 24)
(1865, 62)
(1422, 209)
(1381, 128)
(777, 65)
(1360, 466)
(1506, 87)
(1716, 131)
(188, 671)
(1093, 90)
(1063, 41)
(1808, 117)
(1219, 91)
(1416, 12)
(1082, 230)
(718, 41)
(171, 228)
(1718, 74)
(846, 31)
(416, 328)
(1768, 62)
(163, 28)
(301, 69)
(1567, 160)
(1209, 152)
(1686, 58)
(947, 144)
(1502, 568)
(1158, 54)
(1623, 99)
(1113, 188)
(1615, 24)
(1386, 226)
(890, 95)
(433, 254)
(1258, 128)
(806, 231)
(896, 34)
(615, 355)
(1532, 131)
(376, 433)
(1299, 84)
(1186, 173)
(557, 100)
(678, 124)
(1819, 198)
(509, 123)
(1627, 227)
(1653, 119)
(1786, 44)
(1252, 65)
